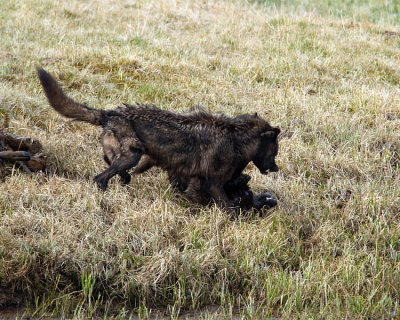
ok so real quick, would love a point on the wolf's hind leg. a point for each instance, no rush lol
(125, 176)
(144, 164)
(118, 166)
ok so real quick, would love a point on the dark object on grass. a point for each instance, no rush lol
(15, 155)
(238, 192)
(202, 150)
(24, 151)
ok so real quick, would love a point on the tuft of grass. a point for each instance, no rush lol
(326, 73)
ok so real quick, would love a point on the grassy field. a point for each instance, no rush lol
(328, 75)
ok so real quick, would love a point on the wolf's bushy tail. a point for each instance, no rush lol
(65, 105)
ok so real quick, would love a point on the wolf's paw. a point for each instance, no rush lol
(102, 185)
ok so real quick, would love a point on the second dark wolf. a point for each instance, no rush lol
(203, 151)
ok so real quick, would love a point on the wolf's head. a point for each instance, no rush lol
(266, 139)
(268, 149)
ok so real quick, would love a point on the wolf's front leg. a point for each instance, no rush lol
(193, 189)
(219, 195)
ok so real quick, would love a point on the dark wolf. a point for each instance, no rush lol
(236, 189)
(202, 151)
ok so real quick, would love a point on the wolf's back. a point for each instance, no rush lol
(65, 105)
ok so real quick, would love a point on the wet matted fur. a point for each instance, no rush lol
(203, 151)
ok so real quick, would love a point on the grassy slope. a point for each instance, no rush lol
(331, 81)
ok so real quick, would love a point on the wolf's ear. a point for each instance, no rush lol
(255, 115)
(271, 133)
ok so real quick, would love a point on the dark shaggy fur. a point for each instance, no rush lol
(203, 151)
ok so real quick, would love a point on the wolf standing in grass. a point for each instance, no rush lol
(202, 151)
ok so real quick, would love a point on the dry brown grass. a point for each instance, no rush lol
(331, 247)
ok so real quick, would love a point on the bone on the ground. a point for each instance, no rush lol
(18, 149)
(37, 162)
(15, 155)
(21, 143)
(24, 167)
